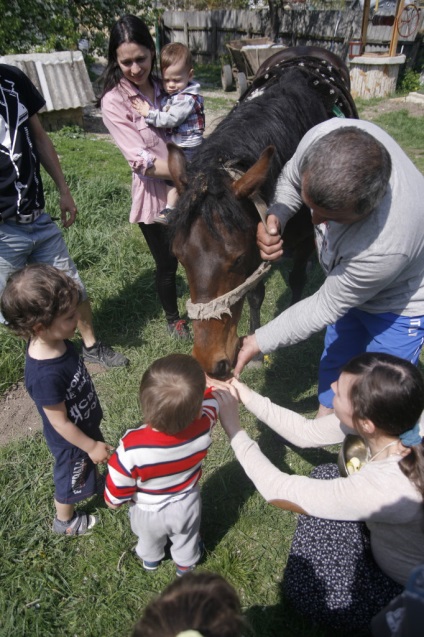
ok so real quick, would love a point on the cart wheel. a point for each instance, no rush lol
(407, 22)
(227, 78)
(241, 82)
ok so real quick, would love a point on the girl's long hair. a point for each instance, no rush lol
(389, 391)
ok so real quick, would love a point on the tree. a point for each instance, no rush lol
(55, 25)
(275, 8)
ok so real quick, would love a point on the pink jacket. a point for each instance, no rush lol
(139, 143)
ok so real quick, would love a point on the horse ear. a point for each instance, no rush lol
(177, 167)
(253, 179)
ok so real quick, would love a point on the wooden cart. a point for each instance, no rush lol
(246, 56)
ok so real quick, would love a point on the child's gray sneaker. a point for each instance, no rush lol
(79, 524)
(104, 355)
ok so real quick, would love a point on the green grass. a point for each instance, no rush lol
(209, 75)
(94, 586)
(408, 131)
(222, 103)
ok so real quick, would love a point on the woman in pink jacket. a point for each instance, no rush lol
(128, 79)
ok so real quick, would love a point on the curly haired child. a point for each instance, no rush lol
(40, 303)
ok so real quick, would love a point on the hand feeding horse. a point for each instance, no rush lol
(231, 179)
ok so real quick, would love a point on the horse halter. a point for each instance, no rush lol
(222, 304)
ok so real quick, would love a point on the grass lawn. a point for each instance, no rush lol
(94, 586)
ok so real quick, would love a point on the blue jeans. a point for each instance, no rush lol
(38, 242)
(357, 332)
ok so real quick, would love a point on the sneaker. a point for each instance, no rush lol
(150, 566)
(79, 524)
(104, 355)
(182, 570)
(163, 217)
(179, 329)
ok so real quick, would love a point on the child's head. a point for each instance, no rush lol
(201, 602)
(37, 295)
(171, 392)
(176, 65)
(387, 390)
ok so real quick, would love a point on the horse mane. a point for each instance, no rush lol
(280, 116)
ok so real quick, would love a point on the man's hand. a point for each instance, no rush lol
(248, 350)
(68, 209)
(269, 239)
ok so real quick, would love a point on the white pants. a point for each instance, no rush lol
(179, 521)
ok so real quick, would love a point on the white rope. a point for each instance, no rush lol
(222, 305)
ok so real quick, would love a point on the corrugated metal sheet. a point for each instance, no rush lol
(61, 77)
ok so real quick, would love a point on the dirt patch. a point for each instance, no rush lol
(18, 414)
(413, 103)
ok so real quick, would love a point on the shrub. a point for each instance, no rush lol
(409, 81)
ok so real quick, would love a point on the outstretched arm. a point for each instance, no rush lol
(50, 161)
(248, 350)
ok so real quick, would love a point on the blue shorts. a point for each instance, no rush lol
(359, 332)
(38, 242)
(74, 475)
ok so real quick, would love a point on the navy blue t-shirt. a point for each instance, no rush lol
(21, 189)
(64, 379)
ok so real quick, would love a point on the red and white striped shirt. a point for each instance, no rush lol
(153, 468)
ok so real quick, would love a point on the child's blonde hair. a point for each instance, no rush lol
(171, 392)
(173, 53)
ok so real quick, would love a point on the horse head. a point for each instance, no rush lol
(214, 238)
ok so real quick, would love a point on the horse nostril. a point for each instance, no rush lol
(222, 369)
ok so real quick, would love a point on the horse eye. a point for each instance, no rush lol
(237, 264)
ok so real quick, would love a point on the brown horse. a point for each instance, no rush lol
(231, 179)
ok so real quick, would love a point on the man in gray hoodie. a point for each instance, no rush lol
(367, 205)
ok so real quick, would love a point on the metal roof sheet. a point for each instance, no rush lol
(61, 77)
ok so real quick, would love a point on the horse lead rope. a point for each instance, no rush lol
(222, 305)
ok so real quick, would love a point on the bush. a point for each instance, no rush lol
(409, 81)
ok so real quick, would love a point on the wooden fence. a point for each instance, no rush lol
(207, 32)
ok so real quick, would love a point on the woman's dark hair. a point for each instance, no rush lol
(129, 28)
(204, 602)
(389, 391)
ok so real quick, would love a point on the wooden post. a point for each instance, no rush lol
(364, 28)
(214, 40)
(186, 35)
(395, 33)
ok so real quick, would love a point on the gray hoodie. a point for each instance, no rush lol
(376, 264)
